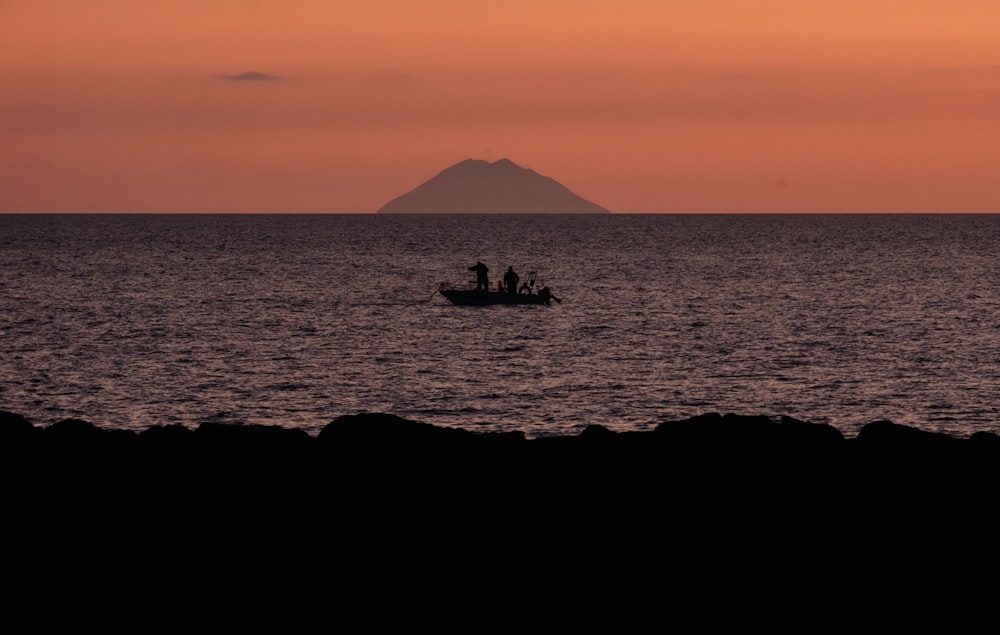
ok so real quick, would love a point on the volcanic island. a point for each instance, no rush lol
(476, 186)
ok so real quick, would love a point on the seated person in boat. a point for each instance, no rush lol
(546, 294)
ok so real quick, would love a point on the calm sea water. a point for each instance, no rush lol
(130, 321)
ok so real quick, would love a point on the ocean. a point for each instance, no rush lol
(132, 321)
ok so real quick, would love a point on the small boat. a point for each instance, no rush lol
(472, 297)
(483, 297)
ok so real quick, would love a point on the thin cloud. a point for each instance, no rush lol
(252, 76)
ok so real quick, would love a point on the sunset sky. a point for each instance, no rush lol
(636, 105)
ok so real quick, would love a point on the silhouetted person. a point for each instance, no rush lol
(482, 280)
(547, 295)
(510, 280)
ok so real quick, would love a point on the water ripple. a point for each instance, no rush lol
(132, 321)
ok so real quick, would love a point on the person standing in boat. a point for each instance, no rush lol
(482, 279)
(510, 280)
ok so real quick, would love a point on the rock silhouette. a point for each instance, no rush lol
(480, 187)
(375, 499)
(716, 453)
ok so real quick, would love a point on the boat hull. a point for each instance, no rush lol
(483, 298)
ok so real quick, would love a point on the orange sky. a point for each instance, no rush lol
(636, 105)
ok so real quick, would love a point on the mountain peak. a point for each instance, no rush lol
(476, 186)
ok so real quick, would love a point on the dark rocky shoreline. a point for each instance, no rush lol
(378, 506)
(712, 451)
(379, 478)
